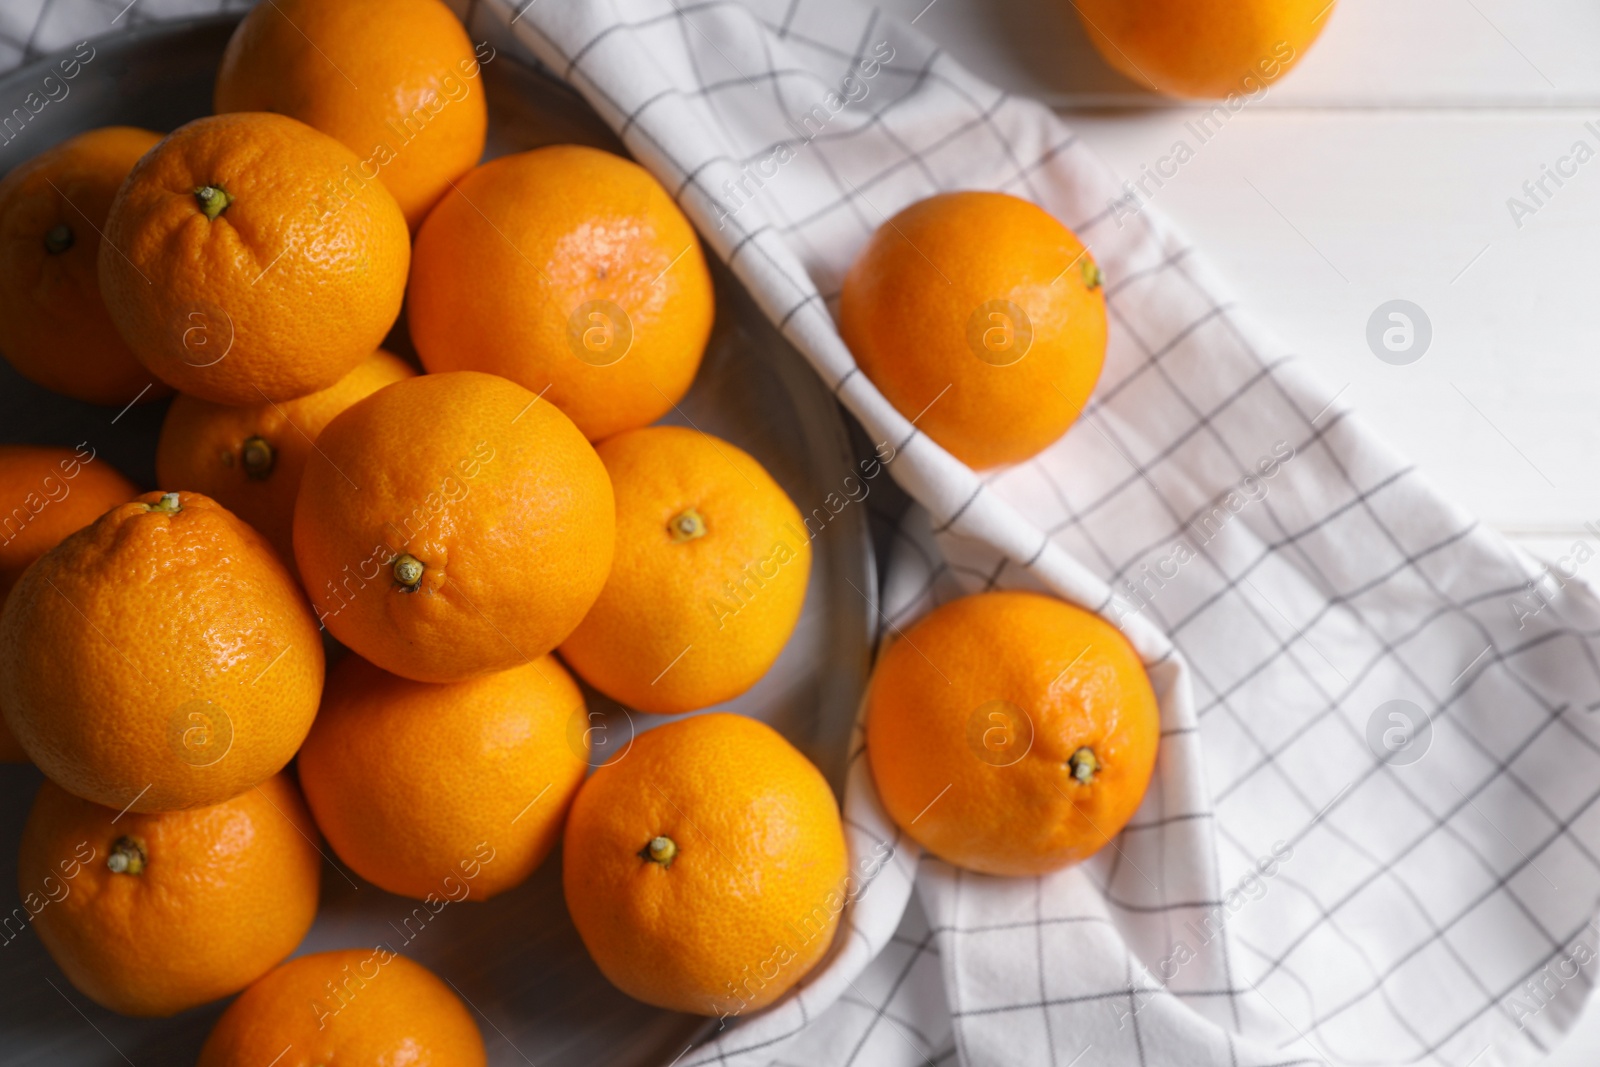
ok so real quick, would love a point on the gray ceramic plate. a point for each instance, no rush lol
(516, 958)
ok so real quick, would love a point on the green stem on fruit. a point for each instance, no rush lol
(127, 856)
(59, 239)
(167, 505)
(408, 570)
(257, 457)
(1083, 764)
(214, 200)
(686, 526)
(662, 850)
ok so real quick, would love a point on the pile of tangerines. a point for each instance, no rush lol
(474, 536)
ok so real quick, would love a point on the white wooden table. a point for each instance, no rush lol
(1380, 169)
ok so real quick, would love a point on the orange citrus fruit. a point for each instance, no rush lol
(153, 914)
(704, 867)
(613, 300)
(395, 81)
(981, 318)
(460, 525)
(1210, 48)
(1011, 733)
(445, 792)
(354, 1006)
(243, 263)
(46, 494)
(54, 328)
(249, 459)
(710, 573)
(162, 658)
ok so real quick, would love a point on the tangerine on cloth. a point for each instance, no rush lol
(1285, 895)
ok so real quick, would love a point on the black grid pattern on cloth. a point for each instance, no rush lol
(1409, 907)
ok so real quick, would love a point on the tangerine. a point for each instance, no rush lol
(54, 326)
(709, 576)
(444, 791)
(353, 1006)
(614, 301)
(1214, 48)
(243, 263)
(161, 658)
(981, 319)
(150, 914)
(705, 866)
(461, 525)
(1011, 733)
(394, 81)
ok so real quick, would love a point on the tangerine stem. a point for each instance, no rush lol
(127, 857)
(167, 505)
(257, 456)
(687, 525)
(59, 239)
(662, 850)
(408, 570)
(1083, 764)
(214, 200)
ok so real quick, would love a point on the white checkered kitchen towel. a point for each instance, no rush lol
(1305, 601)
